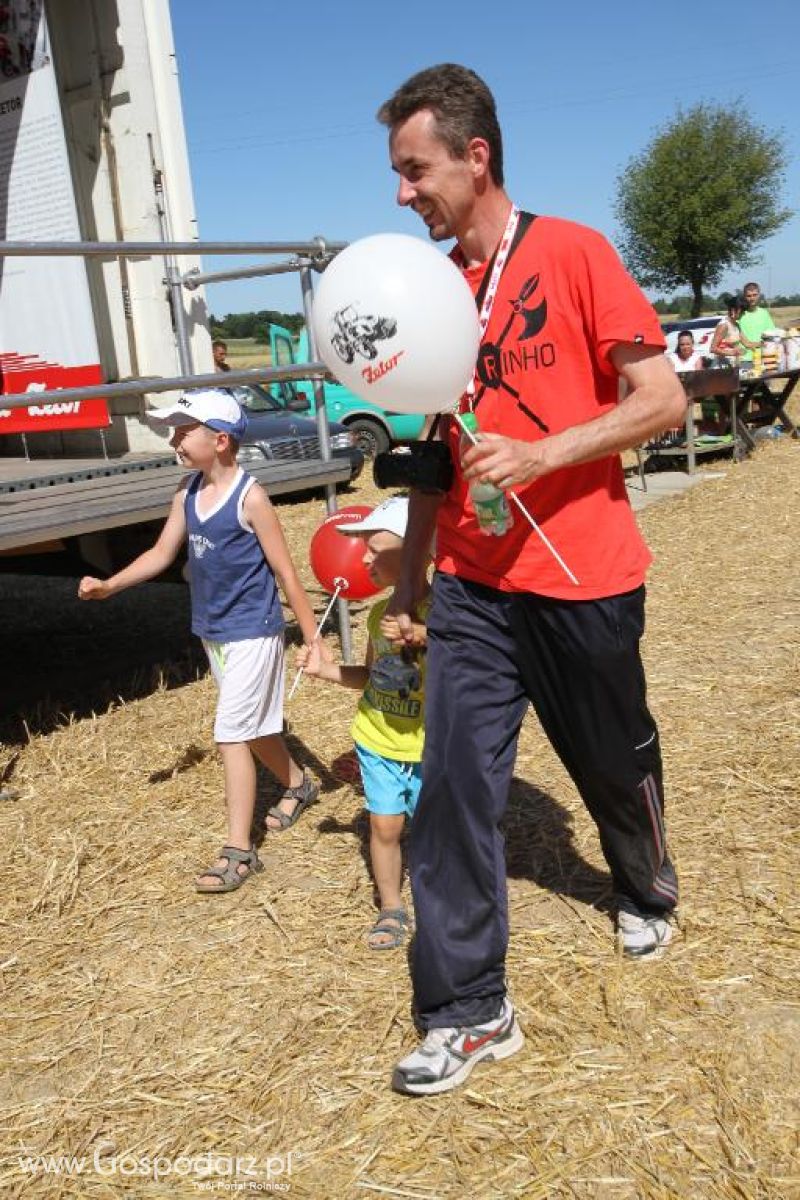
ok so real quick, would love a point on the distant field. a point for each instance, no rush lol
(784, 317)
(247, 352)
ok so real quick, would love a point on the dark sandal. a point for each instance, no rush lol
(230, 876)
(305, 794)
(396, 933)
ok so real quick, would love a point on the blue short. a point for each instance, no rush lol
(391, 788)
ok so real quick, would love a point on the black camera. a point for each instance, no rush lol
(426, 466)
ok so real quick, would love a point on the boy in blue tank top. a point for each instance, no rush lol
(236, 551)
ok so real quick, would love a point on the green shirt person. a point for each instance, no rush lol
(754, 320)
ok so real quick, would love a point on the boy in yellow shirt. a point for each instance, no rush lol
(388, 729)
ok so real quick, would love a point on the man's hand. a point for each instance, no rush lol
(390, 628)
(505, 462)
(93, 589)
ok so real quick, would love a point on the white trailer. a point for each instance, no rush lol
(93, 148)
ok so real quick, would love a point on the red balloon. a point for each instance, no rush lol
(337, 560)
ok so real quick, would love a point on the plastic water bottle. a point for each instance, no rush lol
(490, 504)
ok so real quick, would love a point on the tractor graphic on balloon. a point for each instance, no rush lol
(354, 334)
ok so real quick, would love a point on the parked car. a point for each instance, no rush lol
(276, 432)
(375, 428)
(702, 328)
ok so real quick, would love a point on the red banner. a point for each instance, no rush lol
(28, 374)
(72, 414)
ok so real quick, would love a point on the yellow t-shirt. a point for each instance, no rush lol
(387, 723)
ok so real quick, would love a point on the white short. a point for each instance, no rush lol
(249, 676)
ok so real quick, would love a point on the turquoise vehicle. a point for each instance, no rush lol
(375, 428)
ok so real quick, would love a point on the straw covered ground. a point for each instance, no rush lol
(142, 1020)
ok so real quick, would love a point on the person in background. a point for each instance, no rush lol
(220, 351)
(685, 357)
(726, 342)
(507, 627)
(754, 320)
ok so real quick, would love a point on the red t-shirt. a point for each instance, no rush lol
(564, 301)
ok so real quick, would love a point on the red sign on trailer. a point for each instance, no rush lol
(72, 414)
(28, 374)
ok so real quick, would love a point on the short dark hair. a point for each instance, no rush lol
(219, 342)
(462, 105)
(752, 283)
(686, 333)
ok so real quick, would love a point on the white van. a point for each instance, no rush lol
(702, 328)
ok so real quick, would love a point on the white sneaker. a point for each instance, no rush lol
(446, 1057)
(643, 937)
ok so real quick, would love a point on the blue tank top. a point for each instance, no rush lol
(234, 596)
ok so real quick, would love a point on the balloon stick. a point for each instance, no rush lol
(537, 529)
(339, 583)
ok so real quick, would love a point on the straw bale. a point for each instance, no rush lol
(143, 1019)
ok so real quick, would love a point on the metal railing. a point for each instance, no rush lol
(317, 246)
(156, 383)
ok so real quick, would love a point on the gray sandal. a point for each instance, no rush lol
(230, 876)
(395, 933)
(305, 794)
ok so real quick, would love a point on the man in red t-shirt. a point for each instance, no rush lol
(508, 625)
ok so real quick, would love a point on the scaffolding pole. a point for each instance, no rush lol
(319, 246)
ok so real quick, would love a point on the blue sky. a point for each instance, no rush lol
(279, 104)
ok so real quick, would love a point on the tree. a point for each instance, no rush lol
(699, 198)
(254, 324)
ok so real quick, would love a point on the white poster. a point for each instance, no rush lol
(47, 334)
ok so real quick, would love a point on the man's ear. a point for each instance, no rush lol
(478, 155)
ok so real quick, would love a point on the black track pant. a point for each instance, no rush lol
(490, 653)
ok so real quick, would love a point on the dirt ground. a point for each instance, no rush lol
(146, 1025)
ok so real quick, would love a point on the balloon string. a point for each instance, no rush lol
(536, 528)
(322, 620)
(544, 538)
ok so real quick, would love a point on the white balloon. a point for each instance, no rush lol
(396, 322)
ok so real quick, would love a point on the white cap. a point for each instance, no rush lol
(391, 515)
(214, 407)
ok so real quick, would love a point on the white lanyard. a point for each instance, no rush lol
(488, 300)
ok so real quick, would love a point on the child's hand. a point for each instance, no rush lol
(325, 652)
(309, 658)
(92, 589)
